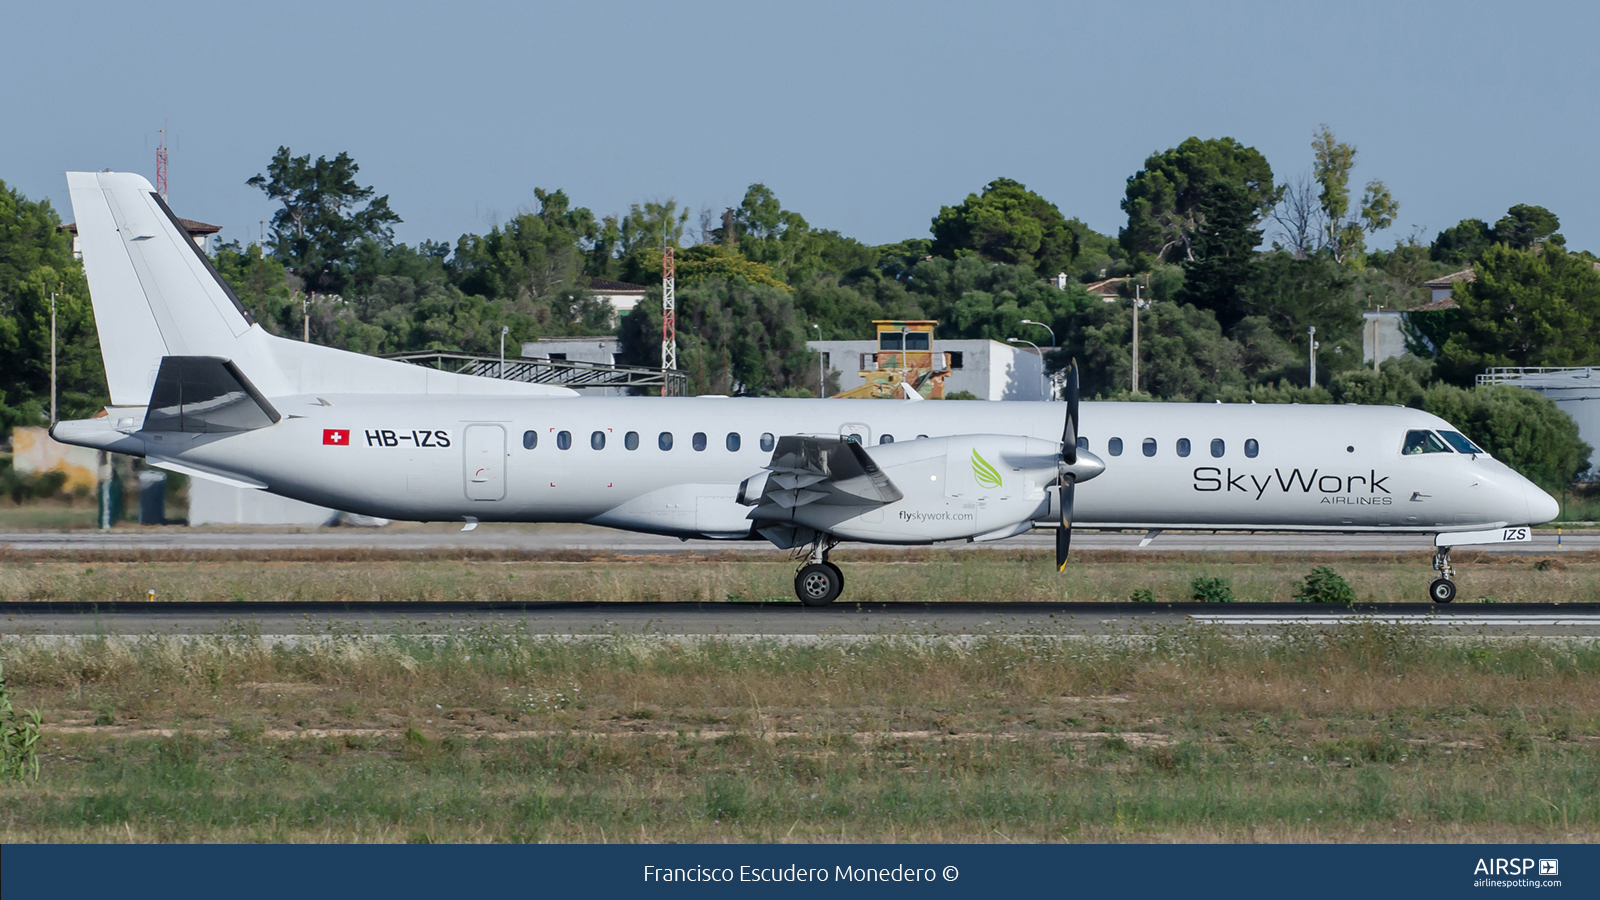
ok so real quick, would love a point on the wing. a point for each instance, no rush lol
(828, 470)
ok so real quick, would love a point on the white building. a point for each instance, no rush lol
(601, 349)
(1381, 335)
(988, 369)
(622, 296)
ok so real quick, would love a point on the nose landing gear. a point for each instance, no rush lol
(819, 582)
(1442, 590)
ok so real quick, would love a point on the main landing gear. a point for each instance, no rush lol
(819, 582)
(1442, 590)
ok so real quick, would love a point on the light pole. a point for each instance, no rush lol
(52, 359)
(1044, 393)
(1045, 327)
(822, 371)
(504, 330)
(1136, 337)
(1313, 332)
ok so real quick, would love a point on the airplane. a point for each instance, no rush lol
(200, 388)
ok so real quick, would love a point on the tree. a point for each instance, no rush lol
(1224, 244)
(35, 261)
(1008, 224)
(320, 223)
(1524, 226)
(734, 338)
(1461, 243)
(532, 256)
(1345, 230)
(1169, 199)
(1536, 307)
(1292, 294)
(629, 248)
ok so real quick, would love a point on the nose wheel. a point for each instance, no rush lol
(1443, 589)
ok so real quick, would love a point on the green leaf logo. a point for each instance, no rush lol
(985, 473)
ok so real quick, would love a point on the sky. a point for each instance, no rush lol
(864, 117)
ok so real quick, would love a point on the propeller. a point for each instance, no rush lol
(1069, 480)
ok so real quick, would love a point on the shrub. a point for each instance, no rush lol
(1143, 595)
(1324, 585)
(1211, 590)
(19, 738)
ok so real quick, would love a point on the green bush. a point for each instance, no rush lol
(1211, 590)
(1324, 585)
(19, 738)
(1143, 595)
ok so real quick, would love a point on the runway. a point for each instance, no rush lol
(777, 621)
(549, 538)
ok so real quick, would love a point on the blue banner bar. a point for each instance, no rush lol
(1169, 871)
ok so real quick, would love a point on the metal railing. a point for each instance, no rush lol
(1505, 374)
(563, 372)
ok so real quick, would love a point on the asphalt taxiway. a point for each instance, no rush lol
(843, 620)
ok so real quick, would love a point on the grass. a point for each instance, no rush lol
(916, 575)
(1370, 733)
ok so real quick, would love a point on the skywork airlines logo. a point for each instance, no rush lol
(985, 473)
(1360, 490)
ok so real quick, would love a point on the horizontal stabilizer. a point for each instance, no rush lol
(206, 395)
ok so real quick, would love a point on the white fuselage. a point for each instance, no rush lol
(429, 458)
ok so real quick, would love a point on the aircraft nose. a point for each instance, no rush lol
(1541, 506)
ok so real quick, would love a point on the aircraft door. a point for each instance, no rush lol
(484, 449)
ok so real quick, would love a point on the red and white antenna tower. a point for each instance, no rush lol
(669, 320)
(161, 163)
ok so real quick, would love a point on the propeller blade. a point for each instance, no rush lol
(1064, 531)
(1069, 435)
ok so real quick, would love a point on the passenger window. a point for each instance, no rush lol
(1423, 442)
(1459, 441)
(1218, 447)
(921, 437)
(597, 440)
(1251, 448)
(530, 440)
(885, 438)
(631, 440)
(1083, 443)
(699, 440)
(733, 442)
(1149, 446)
(768, 442)
(665, 440)
(1183, 446)
(1114, 446)
(564, 440)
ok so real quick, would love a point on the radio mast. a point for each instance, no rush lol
(161, 162)
(669, 320)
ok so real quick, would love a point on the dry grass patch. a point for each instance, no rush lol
(1362, 733)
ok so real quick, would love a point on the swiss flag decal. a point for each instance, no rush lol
(339, 437)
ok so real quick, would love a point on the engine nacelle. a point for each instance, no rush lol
(954, 488)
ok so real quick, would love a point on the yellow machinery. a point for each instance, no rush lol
(905, 359)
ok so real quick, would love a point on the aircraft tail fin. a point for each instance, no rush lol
(155, 293)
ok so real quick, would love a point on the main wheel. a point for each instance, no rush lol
(1443, 590)
(839, 573)
(818, 585)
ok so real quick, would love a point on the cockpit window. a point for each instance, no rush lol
(1459, 441)
(1423, 442)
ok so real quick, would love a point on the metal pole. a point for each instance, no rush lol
(52, 359)
(504, 330)
(822, 370)
(1313, 331)
(305, 316)
(1136, 338)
